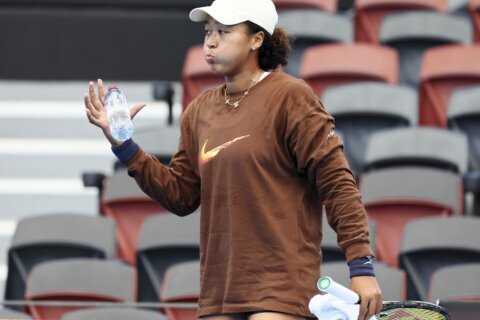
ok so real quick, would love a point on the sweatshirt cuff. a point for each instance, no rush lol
(361, 267)
(126, 151)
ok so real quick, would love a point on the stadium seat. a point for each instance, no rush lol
(113, 314)
(413, 32)
(443, 70)
(124, 202)
(55, 236)
(160, 141)
(458, 282)
(369, 14)
(324, 5)
(363, 108)
(464, 115)
(394, 196)
(418, 146)
(331, 251)
(6, 314)
(461, 310)
(392, 281)
(334, 64)
(430, 244)
(312, 27)
(196, 75)
(87, 280)
(474, 9)
(182, 284)
(164, 241)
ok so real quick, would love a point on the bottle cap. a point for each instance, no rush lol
(113, 86)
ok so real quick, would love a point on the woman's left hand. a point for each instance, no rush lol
(370, 296)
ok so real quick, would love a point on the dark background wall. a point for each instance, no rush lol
(90, 39)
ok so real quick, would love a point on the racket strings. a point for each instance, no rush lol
(411, 314)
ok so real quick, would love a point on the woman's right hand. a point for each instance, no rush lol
(97, 112)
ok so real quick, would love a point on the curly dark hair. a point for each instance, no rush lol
(275, 49)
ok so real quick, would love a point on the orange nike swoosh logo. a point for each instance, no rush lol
(209, 155)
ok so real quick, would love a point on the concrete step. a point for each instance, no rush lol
(25, 197)
(54, 158)
(68, 90)
(67, 119)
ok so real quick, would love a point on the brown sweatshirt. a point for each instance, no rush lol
(261, 172)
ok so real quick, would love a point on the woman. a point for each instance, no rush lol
(261, 153)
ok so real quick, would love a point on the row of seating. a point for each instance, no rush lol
(395, 223)
(443, 71)
(410, 33)
(398, 166)
(432, 263)
(360, 5)
(110, 313)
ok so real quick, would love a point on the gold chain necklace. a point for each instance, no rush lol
(237, 103)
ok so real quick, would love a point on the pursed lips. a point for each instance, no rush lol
(210, 58)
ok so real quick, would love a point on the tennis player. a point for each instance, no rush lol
(260, 155)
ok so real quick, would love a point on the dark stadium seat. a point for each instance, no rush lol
(325, 5)
(160, 141)
(464, 115)
(395, 196)
(312, 27)
(113, 314)
(474, 9)
(55, 236)
(164, 240)
(418, 146)
(413, 32)
(392, 281)
(458, 282)
(430, 244)
(331, 251)
(124, 202)
(363, 108)
(333, 64)
(455, 6)
(196, 75)
(182, 284)
(87, 280)
(461, 310)
(443, 70)
(369, 14)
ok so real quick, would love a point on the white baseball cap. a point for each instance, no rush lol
(230, 12)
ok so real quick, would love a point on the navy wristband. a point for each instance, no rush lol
(126, 151)
(361, 267)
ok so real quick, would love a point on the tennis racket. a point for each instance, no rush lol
(391, 310)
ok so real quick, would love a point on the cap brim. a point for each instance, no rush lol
(225, 17)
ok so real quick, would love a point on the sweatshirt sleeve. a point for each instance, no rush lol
(318, 152)
(176, 187)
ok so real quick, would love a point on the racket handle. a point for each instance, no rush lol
(328, 285)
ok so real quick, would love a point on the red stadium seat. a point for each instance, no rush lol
(475, 14)
(88, 280)
(466, 278)
(196, 75)
(443, 70)
(395, 196)
(327, 65)
(370, 13)
(182, 284)
(325, 5)
(124, 202)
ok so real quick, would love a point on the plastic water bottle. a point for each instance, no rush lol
(118, 113)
